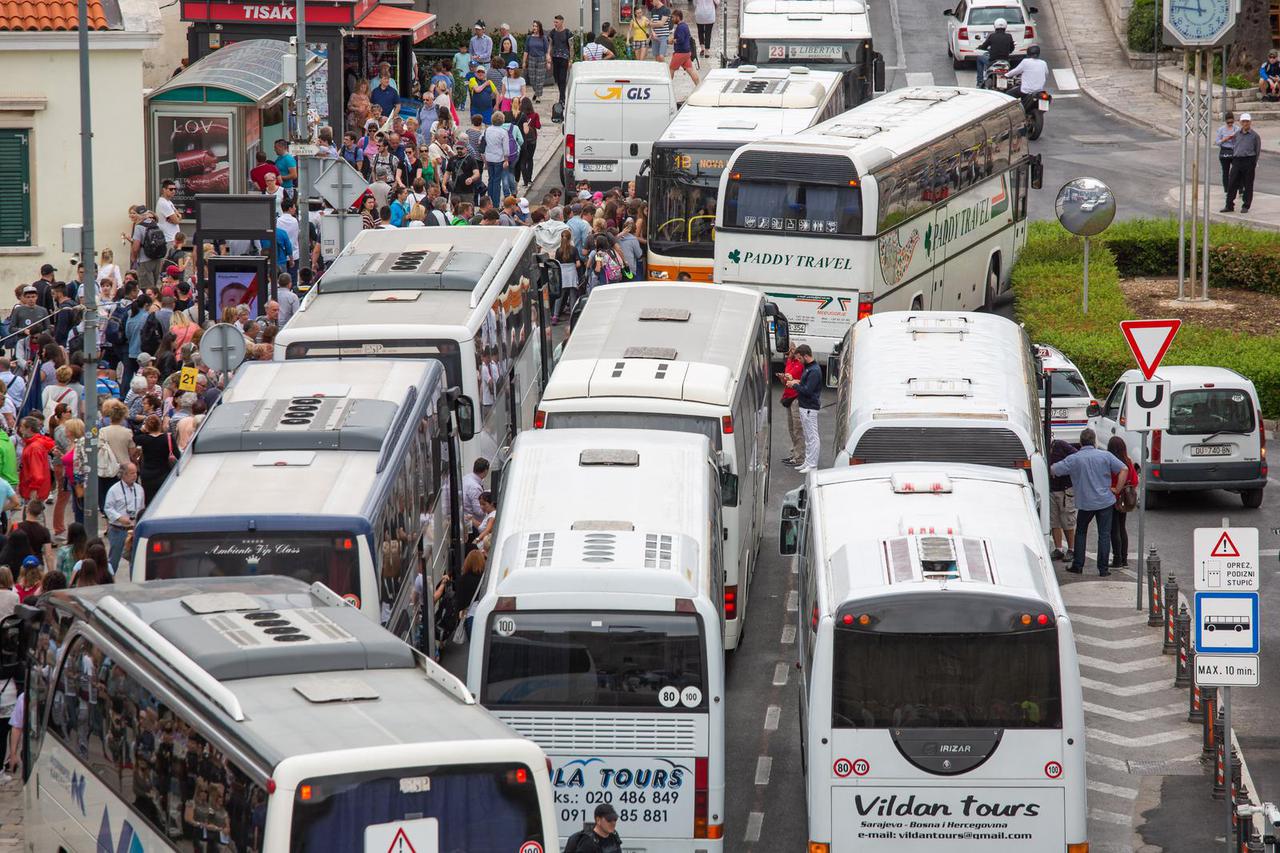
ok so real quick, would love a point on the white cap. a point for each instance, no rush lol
(1246, 117)
(524, 205)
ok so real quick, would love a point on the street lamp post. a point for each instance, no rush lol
(87, 257)
(303, 133)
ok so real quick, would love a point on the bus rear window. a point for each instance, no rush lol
(1210, 410)
(792, 207)
(480, 808)
(1002, 681)
(333, 559)
(601, 660)
(710, 427)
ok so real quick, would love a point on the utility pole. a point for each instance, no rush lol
(303, 134)
(88, 258)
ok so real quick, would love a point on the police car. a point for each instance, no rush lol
(1071, 397)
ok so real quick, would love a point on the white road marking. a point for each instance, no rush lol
(764, 766)
(788, 634)
(1131, 643)
(1110, 817)
(900, 53)
(755, 821)
(1065, 78)
(1102, 622)
(771, 717)
(1117, 690)
(793, 601)
(1106, 761)
(1116, 666)
(1114, 790)
(919, 78)
(1137, 742)
(1136, 716)
(780, 674)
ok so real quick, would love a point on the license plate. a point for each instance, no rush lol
(1044, 106)
(1210, 450)
(796, 328)
(1002, 83)
(598, 166)
(1059, 414)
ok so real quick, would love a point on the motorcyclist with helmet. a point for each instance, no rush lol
(998, 46)
(1032, 73)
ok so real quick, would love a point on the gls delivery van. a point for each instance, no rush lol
(614, 111)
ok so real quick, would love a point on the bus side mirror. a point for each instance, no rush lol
(1037, 173)
(833, 371)
(11, 646)
(728, 488)
(464, 412)
(1094, 410)
(877, 73)
(781, 329)
(577, 312)
(551, 274)
(789, 528)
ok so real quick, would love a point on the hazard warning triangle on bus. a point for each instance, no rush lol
(1149, 340)
(1225, 547)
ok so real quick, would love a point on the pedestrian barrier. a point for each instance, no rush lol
(1170, 602)
(1195, 704)
(1208, 719)
(1186, 654)
(1155, 602)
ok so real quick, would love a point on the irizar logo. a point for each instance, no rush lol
(129, 842)
(77, 790)
(955, 747)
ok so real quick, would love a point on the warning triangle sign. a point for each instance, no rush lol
(401, 843)
(1225, 547)
(1149, 340)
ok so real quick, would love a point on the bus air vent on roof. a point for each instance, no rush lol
(538, 549)
(219, 602)
(921, 324)
(609, 456)
(936, 95)
(664, 353)
(665, 315)
(938, 556)
(939, 387)
(756, 86)
(417, 261)
(599, 547)
(658, 550)
(298, 424)
(322, 690)
(261, 629)
(856, 131)
(603, 524)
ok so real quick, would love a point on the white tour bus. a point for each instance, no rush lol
(732, 106)
(469, 298)
(832, 35)
(340, 472)
(917, 199)
(940, 695)
(941, 387)
(255, 715)
(598, 634)
(688, 358)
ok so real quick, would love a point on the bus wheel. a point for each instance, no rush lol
(992, 286)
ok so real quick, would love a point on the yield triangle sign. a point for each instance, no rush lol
(1225, 547)
(1149, 340)
(401, 843)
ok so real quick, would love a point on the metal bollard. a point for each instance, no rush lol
(1155, 605)
(1209, 711)
(1182, 662)
(1195, 709)
(1219, 783)
(1170, 602)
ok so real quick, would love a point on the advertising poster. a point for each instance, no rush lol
(235, 287)
(318, 84)
(193, 150)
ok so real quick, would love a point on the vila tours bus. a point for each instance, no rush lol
(940, 697)
(256, 715)
(917, 199)
(469, 298)
(683, 357)
(598, 632)
(730, 108)
(834, 35)
(344, 473)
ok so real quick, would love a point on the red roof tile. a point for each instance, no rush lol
(47, 16)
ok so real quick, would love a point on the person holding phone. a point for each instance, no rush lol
(791, 371)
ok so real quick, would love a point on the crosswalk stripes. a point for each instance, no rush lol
(1065, 80)
(919, 78)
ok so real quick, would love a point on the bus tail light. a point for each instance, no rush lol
(345, 543)
(162, 546)
(539, 419)
(726, 424)
(731, 602)
(304, 793)
(857, 460)
(270, 786)
(1029, 33)
(866, 303)
(1082, 847)
(505, 603)
(819, 847)
(570, 149)
(701, 828)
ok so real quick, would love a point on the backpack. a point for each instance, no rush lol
(612, 269)
(114, 332)
(513, 150)
(108, 464)
(574, 844)
(153, 242)
(152, 334)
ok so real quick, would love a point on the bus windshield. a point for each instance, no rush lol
(480, 808)
(710, 427)
(595, 661)
(682, 199)
(1066, 383)
(1000, 681)
(443, 351)
(762, 204)
(331, 558)
(804, 52)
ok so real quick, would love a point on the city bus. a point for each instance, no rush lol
(469, 298)
(915, 200)
(940, 695)
(684, 357)
(598, 634)
(834, 35)
(731, 107)
(941, 386)
(254, 715)
(340, 472)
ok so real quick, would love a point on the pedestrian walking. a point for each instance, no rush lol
(1090, 470)
(481, 44)
(704, 15)
(1126, 502)
(561, 54)
(660, 26)
(1225, 139)
(640, 34)
(512, 89)
(1062, 504)
(124, 504)
(682, 47)
(529, 123)
(484, 95)
(793, 369)
(1244, 161)
(602, 837)
(808, 389)
(537, 59)
(496, 159)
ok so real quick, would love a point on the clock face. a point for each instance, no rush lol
(1198, 21)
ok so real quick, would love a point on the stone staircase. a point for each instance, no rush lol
(1238, 100)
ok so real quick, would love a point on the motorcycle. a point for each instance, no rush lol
(1034, 104)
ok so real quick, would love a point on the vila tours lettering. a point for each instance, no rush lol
(971, 806)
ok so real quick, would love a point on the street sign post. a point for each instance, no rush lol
(1226, 623)
(1226, 559)
(1228, 670)
(1147, 406)
(1149, 340)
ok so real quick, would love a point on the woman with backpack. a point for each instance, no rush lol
(605, 264)
(530, 123)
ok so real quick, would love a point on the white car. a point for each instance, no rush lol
(1071, 397)
(971, 21)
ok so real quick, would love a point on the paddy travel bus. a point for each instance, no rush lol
(917, 199)
(257, 715)
(599, 633)
(731, 107)
(940, 699)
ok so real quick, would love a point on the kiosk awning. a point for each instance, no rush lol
(389, 21)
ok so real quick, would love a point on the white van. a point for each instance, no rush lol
(940, 386)
(1215, 439)
(614, 111)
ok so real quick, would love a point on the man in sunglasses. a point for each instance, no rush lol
(601, 838)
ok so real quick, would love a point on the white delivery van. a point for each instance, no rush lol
(1215, 439)
(614, 111)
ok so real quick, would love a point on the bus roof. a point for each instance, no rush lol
(342, 672)
(630, 513)
(894, 123)
(734, 105)
(928, 527)
(947, 364)
(683, 341)
(293, 440)
(805, 19)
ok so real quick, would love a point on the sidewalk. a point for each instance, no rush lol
(1263, 213)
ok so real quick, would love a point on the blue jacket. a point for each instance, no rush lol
(809, 391)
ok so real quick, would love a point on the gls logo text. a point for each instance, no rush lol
(629, 93)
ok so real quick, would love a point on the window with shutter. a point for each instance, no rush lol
(15, 172)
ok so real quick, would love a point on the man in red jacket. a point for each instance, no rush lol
(35, 479)
(792, 370)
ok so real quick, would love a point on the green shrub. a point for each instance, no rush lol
(1238, 81)
(1142, 22)
(459, 35)
(1239, 256)
(1047, 280)
(1248, 267)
